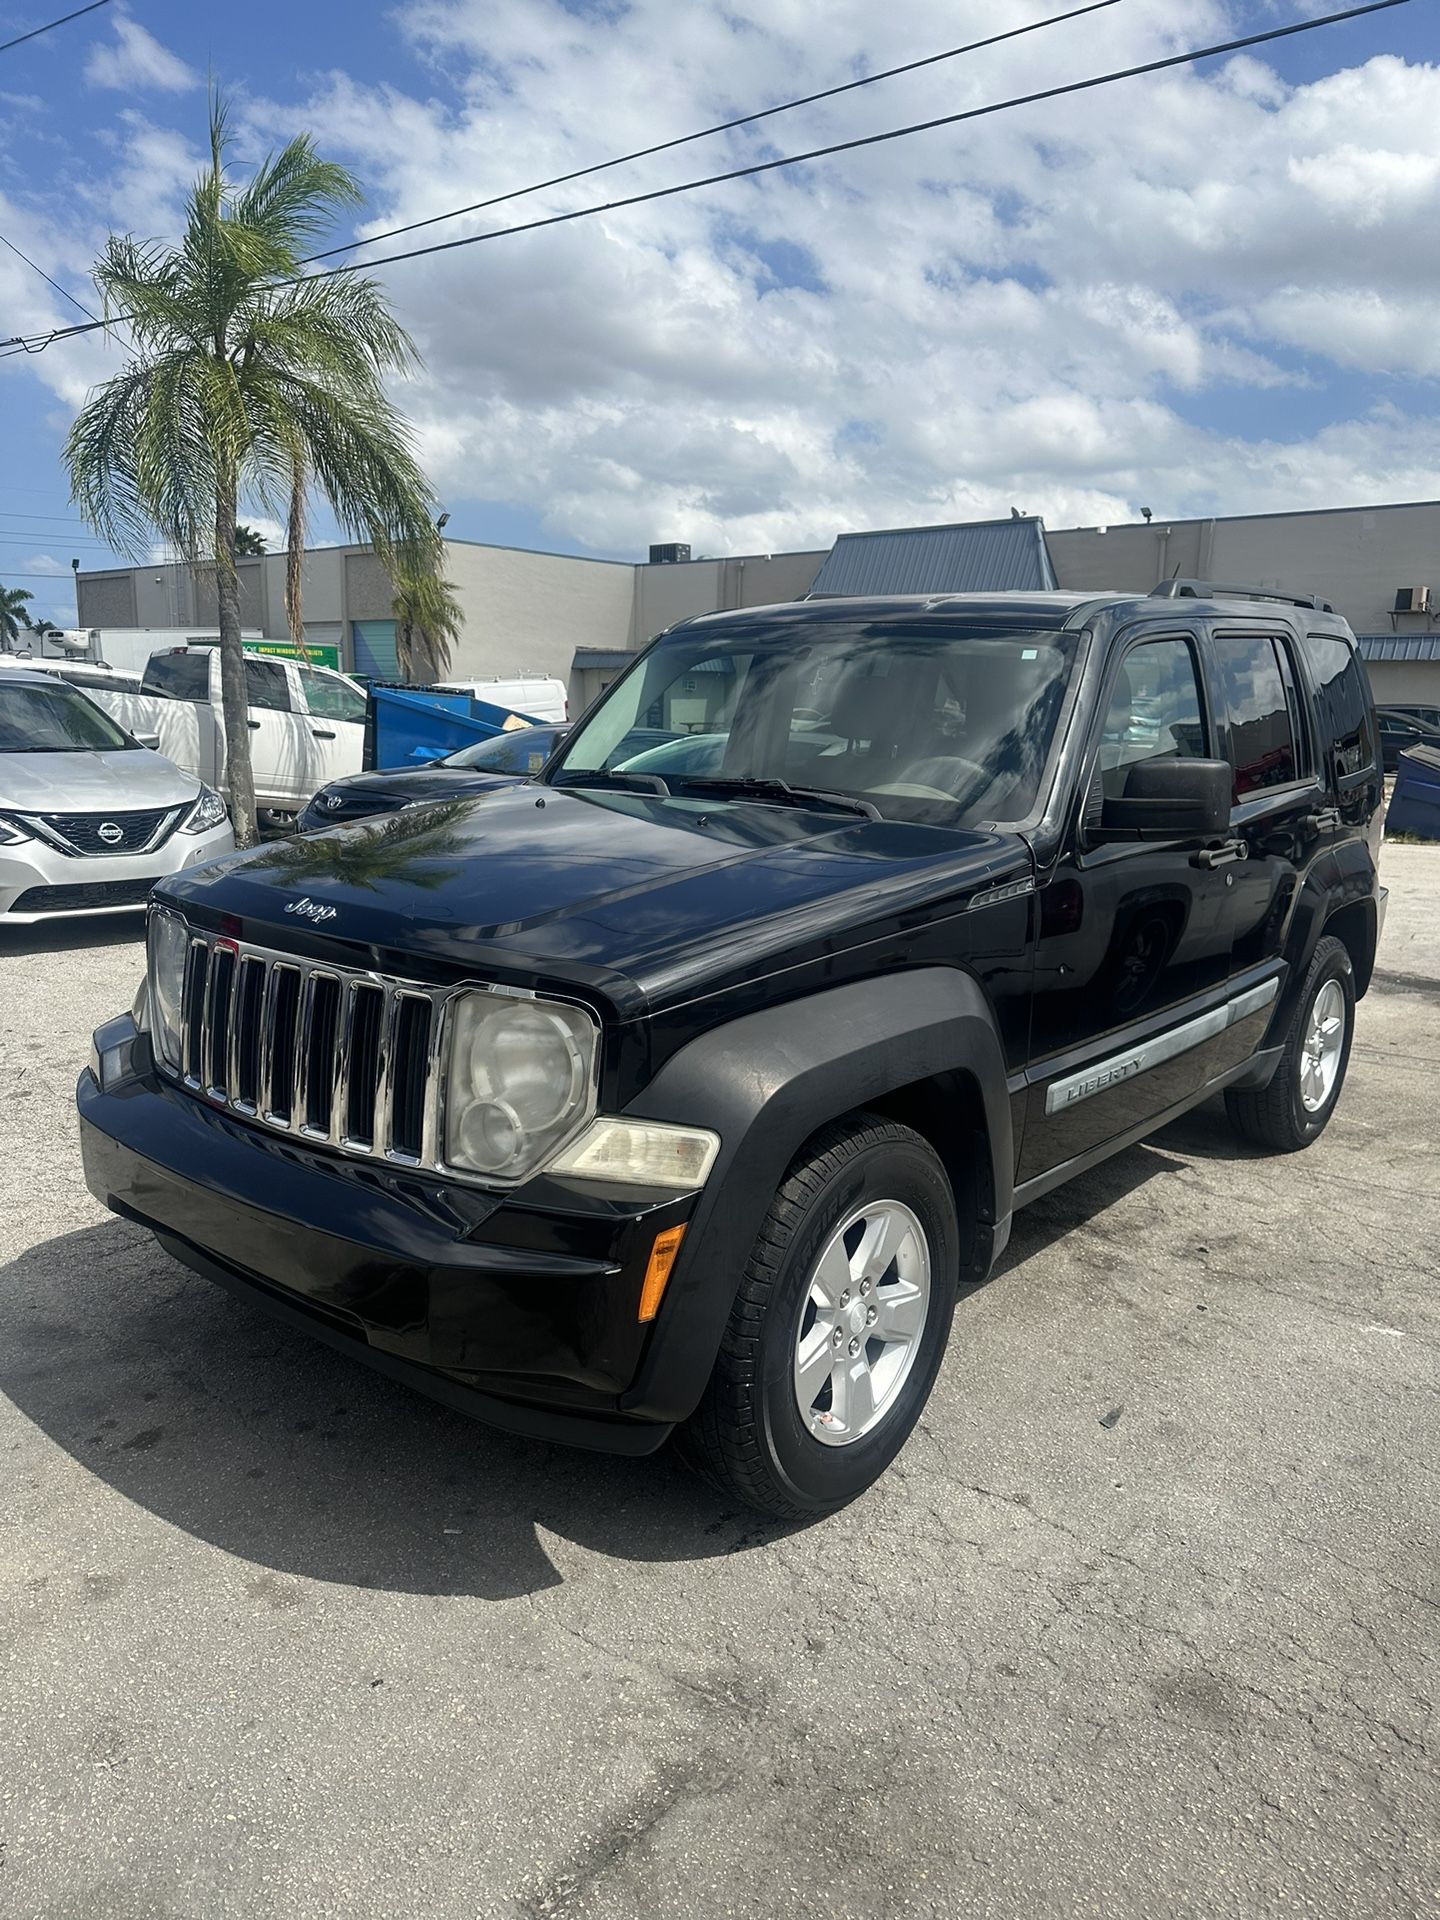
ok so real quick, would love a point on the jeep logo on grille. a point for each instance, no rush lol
(110, 833)
(309, 909)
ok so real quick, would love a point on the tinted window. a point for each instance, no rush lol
(56, 720)
(331, 698)
(178, 676)
(523, 750)
(929, 719)
(266, 685)
(1154, 712)
(1262, 730)
(1342, 702)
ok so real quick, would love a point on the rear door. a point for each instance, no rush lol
(283, 757)
(1282, 814)
(1134, 949)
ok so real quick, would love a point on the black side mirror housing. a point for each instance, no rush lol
(1170, 800)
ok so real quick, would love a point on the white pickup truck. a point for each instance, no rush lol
(307, 724)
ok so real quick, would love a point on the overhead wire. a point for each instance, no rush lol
(64, 294)
(39, 343)
(723, 126)
(50, 25)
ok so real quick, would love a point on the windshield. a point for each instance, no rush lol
(56, 720)
(923, 719)
(523, 750)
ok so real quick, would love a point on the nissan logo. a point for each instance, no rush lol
(309, 909)
(110, 833)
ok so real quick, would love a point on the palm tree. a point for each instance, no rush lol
(13, 601)
(428, 620)
(247, 381)
(248, 542)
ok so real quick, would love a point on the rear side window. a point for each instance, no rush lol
(1342, 703)
(266, 685)
(178, 676)
(1257, 691)
(331, 698)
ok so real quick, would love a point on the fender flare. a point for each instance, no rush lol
(765, 1083)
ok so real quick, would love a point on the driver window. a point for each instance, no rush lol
(1154, 712)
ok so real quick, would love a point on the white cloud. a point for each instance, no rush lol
(1054, 309)
(44, 563)
(137, 60)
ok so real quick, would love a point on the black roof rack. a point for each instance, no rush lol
(1212, 590)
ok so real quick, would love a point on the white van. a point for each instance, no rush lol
(537, 696)
(307, 724)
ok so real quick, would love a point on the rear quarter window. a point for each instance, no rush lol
(1342, 701)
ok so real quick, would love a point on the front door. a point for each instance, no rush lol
(335, 717)
(1134, 950)
(283, 759)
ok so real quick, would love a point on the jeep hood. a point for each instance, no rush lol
(647, 900)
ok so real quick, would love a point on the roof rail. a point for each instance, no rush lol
(1212, 590)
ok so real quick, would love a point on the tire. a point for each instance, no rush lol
(1294, 1109)
(868, 1207)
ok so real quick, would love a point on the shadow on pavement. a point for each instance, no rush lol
(286, 1453)
(277, 1449)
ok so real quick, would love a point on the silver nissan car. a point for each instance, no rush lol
(90, 818)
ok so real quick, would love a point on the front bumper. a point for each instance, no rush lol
(520, 1309)
(39, 882)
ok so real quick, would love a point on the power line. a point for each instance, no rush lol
(724, 126)
(50, 25)
(37, 343)
(45, 276)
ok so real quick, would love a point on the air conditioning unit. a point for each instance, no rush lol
(674, 553)
(1412, 600)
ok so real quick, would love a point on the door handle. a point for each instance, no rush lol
(254, 725)
(1326, 821)
(320, 733)
(1222, 856)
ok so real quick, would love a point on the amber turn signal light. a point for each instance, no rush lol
(657, 1274)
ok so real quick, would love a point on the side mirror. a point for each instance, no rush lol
(1170, 800)
(150, 740)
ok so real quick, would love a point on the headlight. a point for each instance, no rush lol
(520, 1079)
(169, 939)
(11, 832)
(207, 812)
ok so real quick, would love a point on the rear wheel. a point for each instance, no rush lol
(839, 1326)
(1294, 1109)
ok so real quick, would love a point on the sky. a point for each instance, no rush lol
(1212, 290)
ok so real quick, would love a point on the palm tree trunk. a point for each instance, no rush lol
(234, 696)
(294, 558)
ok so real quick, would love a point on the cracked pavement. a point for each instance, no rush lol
(278, 1637)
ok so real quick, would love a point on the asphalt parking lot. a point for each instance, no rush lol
(1143, 1622)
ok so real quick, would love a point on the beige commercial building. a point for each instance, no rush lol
(528, 612)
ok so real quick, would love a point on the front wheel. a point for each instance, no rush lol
(1293, 1110)
(839, 1326)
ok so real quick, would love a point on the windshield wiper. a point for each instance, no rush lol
(752, 787)
(609, 777)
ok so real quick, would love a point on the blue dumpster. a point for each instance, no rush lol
(406, 726)
(1415, 801)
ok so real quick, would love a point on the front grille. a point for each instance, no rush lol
(353, 806)
(327, 1054)
(83, 899)
(113, 833)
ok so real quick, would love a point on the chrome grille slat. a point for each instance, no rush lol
(260, 1007)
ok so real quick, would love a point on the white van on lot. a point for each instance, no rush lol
(538, 696)
(307, 724)
(89, 818)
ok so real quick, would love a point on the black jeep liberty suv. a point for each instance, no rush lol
(681, 1088)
